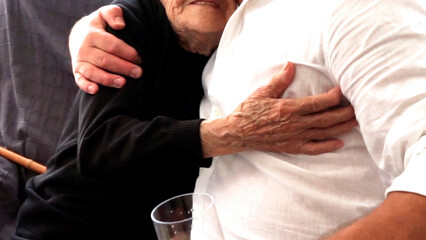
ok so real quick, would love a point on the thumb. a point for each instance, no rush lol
(113, 16)
(278, 84)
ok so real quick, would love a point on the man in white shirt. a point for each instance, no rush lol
(376, 52)
(372, 188)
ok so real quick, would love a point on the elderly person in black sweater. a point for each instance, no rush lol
(147, 139)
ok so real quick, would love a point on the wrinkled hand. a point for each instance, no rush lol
(97, 54)
(267, 122)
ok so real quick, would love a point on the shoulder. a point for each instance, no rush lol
(143, 13)
(149, 8)
(359, 15)
(361, 28)
(147, 27)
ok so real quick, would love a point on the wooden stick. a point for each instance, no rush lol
(23, 161)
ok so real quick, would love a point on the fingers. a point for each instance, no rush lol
(94, 64)
(87, 72)
(110, 62)
(318, 103)
(323, 140)
(312, 104)
(93, 29)
(315, 148)
(328, 118)
(113, 16)
(329, 132)
(113, 46)
(309, 125)
(98, 56)
(276, 87)
(311, 141)
(85, 85)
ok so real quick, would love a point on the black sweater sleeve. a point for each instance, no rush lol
(117, 140)
(151, 123)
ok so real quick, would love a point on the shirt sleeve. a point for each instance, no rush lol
(113, 139)
(377, 53)
(136, 127)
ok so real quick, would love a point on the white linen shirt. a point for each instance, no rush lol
(376, 51)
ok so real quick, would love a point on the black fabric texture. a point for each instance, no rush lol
(36, 88)
(119, 145)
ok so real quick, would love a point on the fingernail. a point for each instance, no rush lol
(286, 66)
(119, 20)
(118, 83)
(136, 73)
(91, 89)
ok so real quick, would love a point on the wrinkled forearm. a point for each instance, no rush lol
(402, 216)
(217, 138)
